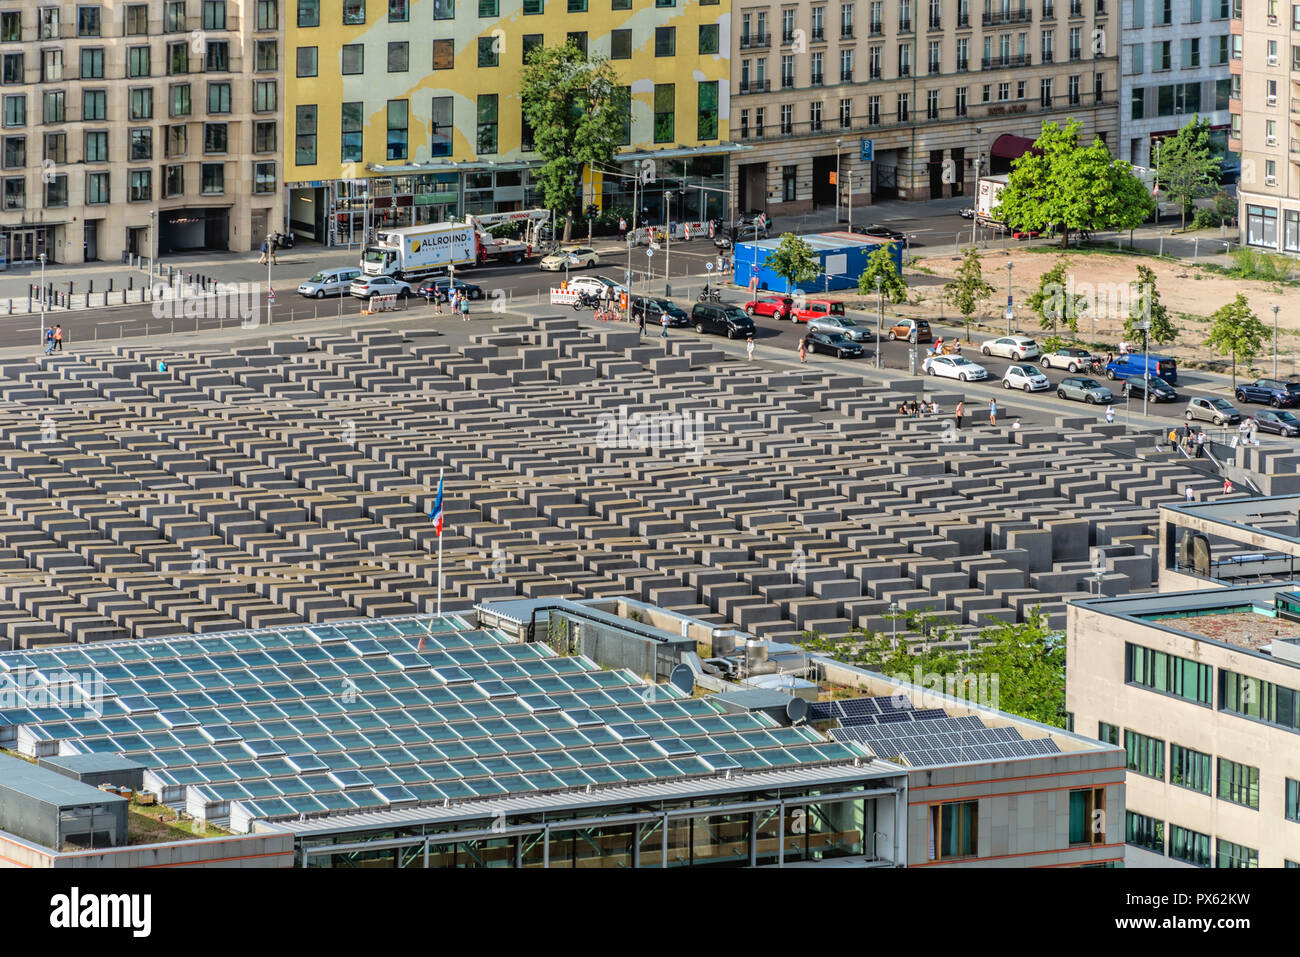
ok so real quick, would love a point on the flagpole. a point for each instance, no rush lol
(439, 613)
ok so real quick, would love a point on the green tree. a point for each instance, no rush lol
(1187, 170)
(968, 288)
(1062, 184)
(793, 261)
(1055, 300)
(881, 264)
(1237, 331)
(573, 107)
(1148, 307)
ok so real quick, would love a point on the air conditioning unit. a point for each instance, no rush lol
(1271, 99)
(1272, 19)
(1270, 141)
(1270, 180)
(1272, 61)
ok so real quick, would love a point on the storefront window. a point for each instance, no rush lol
(1291, 230)
(1261, 226)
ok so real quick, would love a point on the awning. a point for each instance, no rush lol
(450, 166)
(1009, 146)
(676, 152)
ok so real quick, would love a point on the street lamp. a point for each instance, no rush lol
(42, 298)
(1275, 311)
(1008, 297)
(880, 317)
(269, 290)
(893, 615)
(152, 213)
(837, 183)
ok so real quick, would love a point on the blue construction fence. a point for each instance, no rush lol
(842, 256)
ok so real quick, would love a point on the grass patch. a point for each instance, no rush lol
(145, 827)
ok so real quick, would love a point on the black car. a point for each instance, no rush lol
(1161, 391)
(1274, 392)
(440, 288)
(968, 212)
(654, 308)
(1279, 423)
(880, 232)
(725, 320)
(833, 343)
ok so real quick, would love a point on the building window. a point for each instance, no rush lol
(487, 123)
(96, 146)
(264, 96)
(214, 14)
(487, 8)
(579, 40)
(213, 179)
(177, 140)
(308, 13)
(398, 122)
(56, 147)
(15, 110)
(215, 138)
(487, 51)
(1261, 230)
(266, 55)
(1191, 847)
(267, 16)
(1291, 230)
(56, 190)
(15, 193)
(707, 124)
(178, 58)
(620, 45)
(178, 100)
(141, 185)
(1146, 755)
(959, 107)
(953, 830)
(444, 9)
(141, 145)
(1189, 769)
(577, 6)
(217, 59)
(11, 25)
(264, 177)
(1235, 855)
(1145, 832)
(54, 106)
(352, 126)
(1239, 783)
(173, 181)
(1292, 807)
(665, 41)
(708, 39)
(88, 21)
(622, 98)
(533, 8)
(92, 63)
(96, 189)
(1169, 674)
(1108, 733)
(1087, 816)
(15, 152)
(1240, 694)
(664, 107)
(264, 138)
(398, 57)
(49, 23)
(789, 180)
(304, 153)
(444, 54)
(354, 12)
(442, 127)
(399, 11)
(218, 97)
(173, 17)
(137, 62)
(306, 61)
(13, 68)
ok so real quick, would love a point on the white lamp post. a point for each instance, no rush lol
(1009, 313)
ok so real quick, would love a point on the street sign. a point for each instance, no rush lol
(834, 177)
(270, 295)
(649, 253)
(709, 266)
(868, 150)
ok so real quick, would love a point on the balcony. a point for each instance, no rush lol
(818, 35)
(787, 82)
(877, 28)
(936, 23)
(787, 38)
(1003, 62)
(1295, 145)
(1048, 57)
(817, 80)
(963, 65)
(846, 76)
(934, 67)
(755, 86)
(874, 73)
(905, 69)
(997, 18)
(846, 33)
(963, 21)
(755, 41)
(1101, 8)
(905, 26)
(1049, 13)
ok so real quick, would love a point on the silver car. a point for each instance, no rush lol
(329, 282)
(366, 286)
(842, 325)
(1081, 388)
(1218, 411)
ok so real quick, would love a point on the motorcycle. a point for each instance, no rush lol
(586, 300)
(722, 242)
(283, 240)
(709, 294)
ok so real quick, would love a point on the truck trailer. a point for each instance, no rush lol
(415, 252)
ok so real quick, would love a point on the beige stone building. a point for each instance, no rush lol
(131, 125)
(908, 99)
(1265, 108)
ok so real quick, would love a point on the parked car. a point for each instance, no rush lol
(810, 309)
(743, 229)
(364, 287)
(843, 325)
(833, 343)
(1136, 386)
(1217, 411)
(575, 256)
(1014, 348)
(1083, 389)
(778, 307)
(1280, 422)
(329, 282)
(1140, 364)
(1071, 360)
(654, 309)
(913, 330)
(730, 321)
(596, 285)
(967, 212)
(880, 232)
(432, 287)
(1275, 392)
(1026, 377)
(954, 367)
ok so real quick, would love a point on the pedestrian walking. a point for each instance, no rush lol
(1173, 439)
(464, 307)
(663, 322)
(622, 229)
(1227, 486)
(640, 323)
(1110, 415)
(993, 411)
(272, 244)
(1187, 493)
(1200, 443)
(58, 338)
(49, 341)
(262, 261)
(749, 348)
(451, 299)
(803, 350)
(437, 300)
(960, 413)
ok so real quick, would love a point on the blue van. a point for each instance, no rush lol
(1143, 365)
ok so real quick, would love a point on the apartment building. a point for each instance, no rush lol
(408, 111)
(1266, 121)
(909, 99)
(144, 127)
(1174, 60)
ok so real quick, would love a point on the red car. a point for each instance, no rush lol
(777, 307)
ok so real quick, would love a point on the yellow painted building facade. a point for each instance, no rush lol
(399, 112)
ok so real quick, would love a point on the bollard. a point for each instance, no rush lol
(90, 288)
(130, 282)
(169, 275)
(72, 286)
(110, 288)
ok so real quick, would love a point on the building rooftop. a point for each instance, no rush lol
(1245, 628)
(50, 787)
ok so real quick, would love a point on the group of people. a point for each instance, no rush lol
(269, 246)
(54, 340)
(457, 300)
(941, 348)
(916, 409)
(1191, 441)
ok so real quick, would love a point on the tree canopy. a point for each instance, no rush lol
(1187, 171)
(881, 264)
(793, 261)
(1055, 302)
(968, 288)
(1237, 331)
(1147, 306)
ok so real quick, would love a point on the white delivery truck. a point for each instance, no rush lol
(415, 252)
(987, 196)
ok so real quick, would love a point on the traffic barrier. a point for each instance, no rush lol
(380, 304)
(563, 297)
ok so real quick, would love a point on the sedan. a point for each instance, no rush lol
(440, 287)
(572, 256)
(1071, 360)
(1025, 377)
(368, 286)
(329, 282)
(1218, 411)
(842, 325)
(834, 344)
(968, 212)
(880, 232)
(776, 307)
(1014, 348)
(596, 286)
(1135, 387)
(655, 308)
(1084, 390)
(954, 367)
(1279, 423)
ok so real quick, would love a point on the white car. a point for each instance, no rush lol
(575, 257)
(954, 367)
(1026, 377)
(1014, 348)
(329, 282)
(596, 285)
(368, 286)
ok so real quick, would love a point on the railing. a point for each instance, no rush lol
(1048, 56)
(846, 76)
(905, 26)
(755, 41)
(874, 73)
(787, 82)
(936, 23)
(934, 66)
(963, 66)
(1295, 145)
(818, 35)
(1049, 12)
(997, 18)
(787, 37)
(963, 21)
(1001, 62)
(877, 28)
(846, 33)
(904, 69)
(755, 86)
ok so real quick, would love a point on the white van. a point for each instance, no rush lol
(329, 282)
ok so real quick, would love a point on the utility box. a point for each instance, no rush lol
(842, 257)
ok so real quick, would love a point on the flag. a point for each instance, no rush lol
(436, 513)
